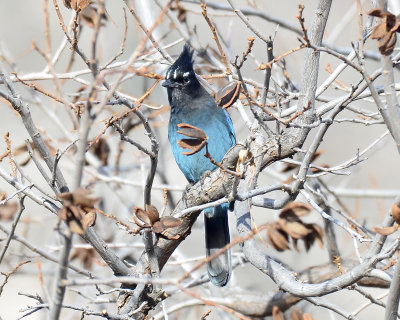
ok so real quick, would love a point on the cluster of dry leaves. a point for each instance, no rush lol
(197, 138)
(87, 11)
(290, 226)
(150, 218)
(76, 4)
(385, 32)
(78, 211)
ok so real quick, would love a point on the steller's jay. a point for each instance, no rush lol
(192, 104)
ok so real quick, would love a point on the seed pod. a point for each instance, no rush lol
(228, 95)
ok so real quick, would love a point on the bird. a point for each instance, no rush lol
(192, 104)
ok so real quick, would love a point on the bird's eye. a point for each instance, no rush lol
(186, 78)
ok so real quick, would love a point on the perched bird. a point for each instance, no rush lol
(192, 104)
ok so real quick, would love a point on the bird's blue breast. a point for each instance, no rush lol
(219, 129)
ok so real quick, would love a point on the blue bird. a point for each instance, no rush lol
(192, 104)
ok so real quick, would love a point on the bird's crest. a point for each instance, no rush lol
(183, 66)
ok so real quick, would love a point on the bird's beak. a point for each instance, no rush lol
(170, 84)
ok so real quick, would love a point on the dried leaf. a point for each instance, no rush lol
(297, 314)
(307, 316)
(385, 32)
(228, 95)
(158, 227)
(8, 210)
(82, 4)
(298, 208)
(191, 144)
(191, 131)
(77, 219)
(170, 222)
(296, 229)
(277, 314)
(67, 3)
(66, 196)
(152, 213)
(143, 216)
(85, 255)
(277, 238)
(89, 15)
(198, 138)
(166, 223)
(89, 219)
(75, 227)
(386, 231)
(77, 4)
(81, 197)
(396, 212)
(318, 234)
(102, 151)
(181, 11)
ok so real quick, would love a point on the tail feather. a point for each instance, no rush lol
(217, 236)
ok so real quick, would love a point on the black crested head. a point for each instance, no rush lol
(181, 74)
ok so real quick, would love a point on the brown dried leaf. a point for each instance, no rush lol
(85, 255)
(376, 12)
(102, 151)
(386, 231)
(75, 227)
(8, 210)
(228, 95)
(298, 208)
(90, 15)
(277, 238)
(379, 31)
(180, 11)
(277, 314)
(191, 131)
(385, 32)
(82, 4)
(297, 314)
(143, 216)
(89, 219)
(396, 212)
(152, 213)
(76, 4)
(81, 197)
(191, 144)
(75, 212)
(296, 229)
(66, 196)
(166, 223)
(170, 222)
(158, 227)
(318, 234)
(67, 3)
(77, 219)
(387, 43)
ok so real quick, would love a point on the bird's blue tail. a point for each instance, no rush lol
(217, 236)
